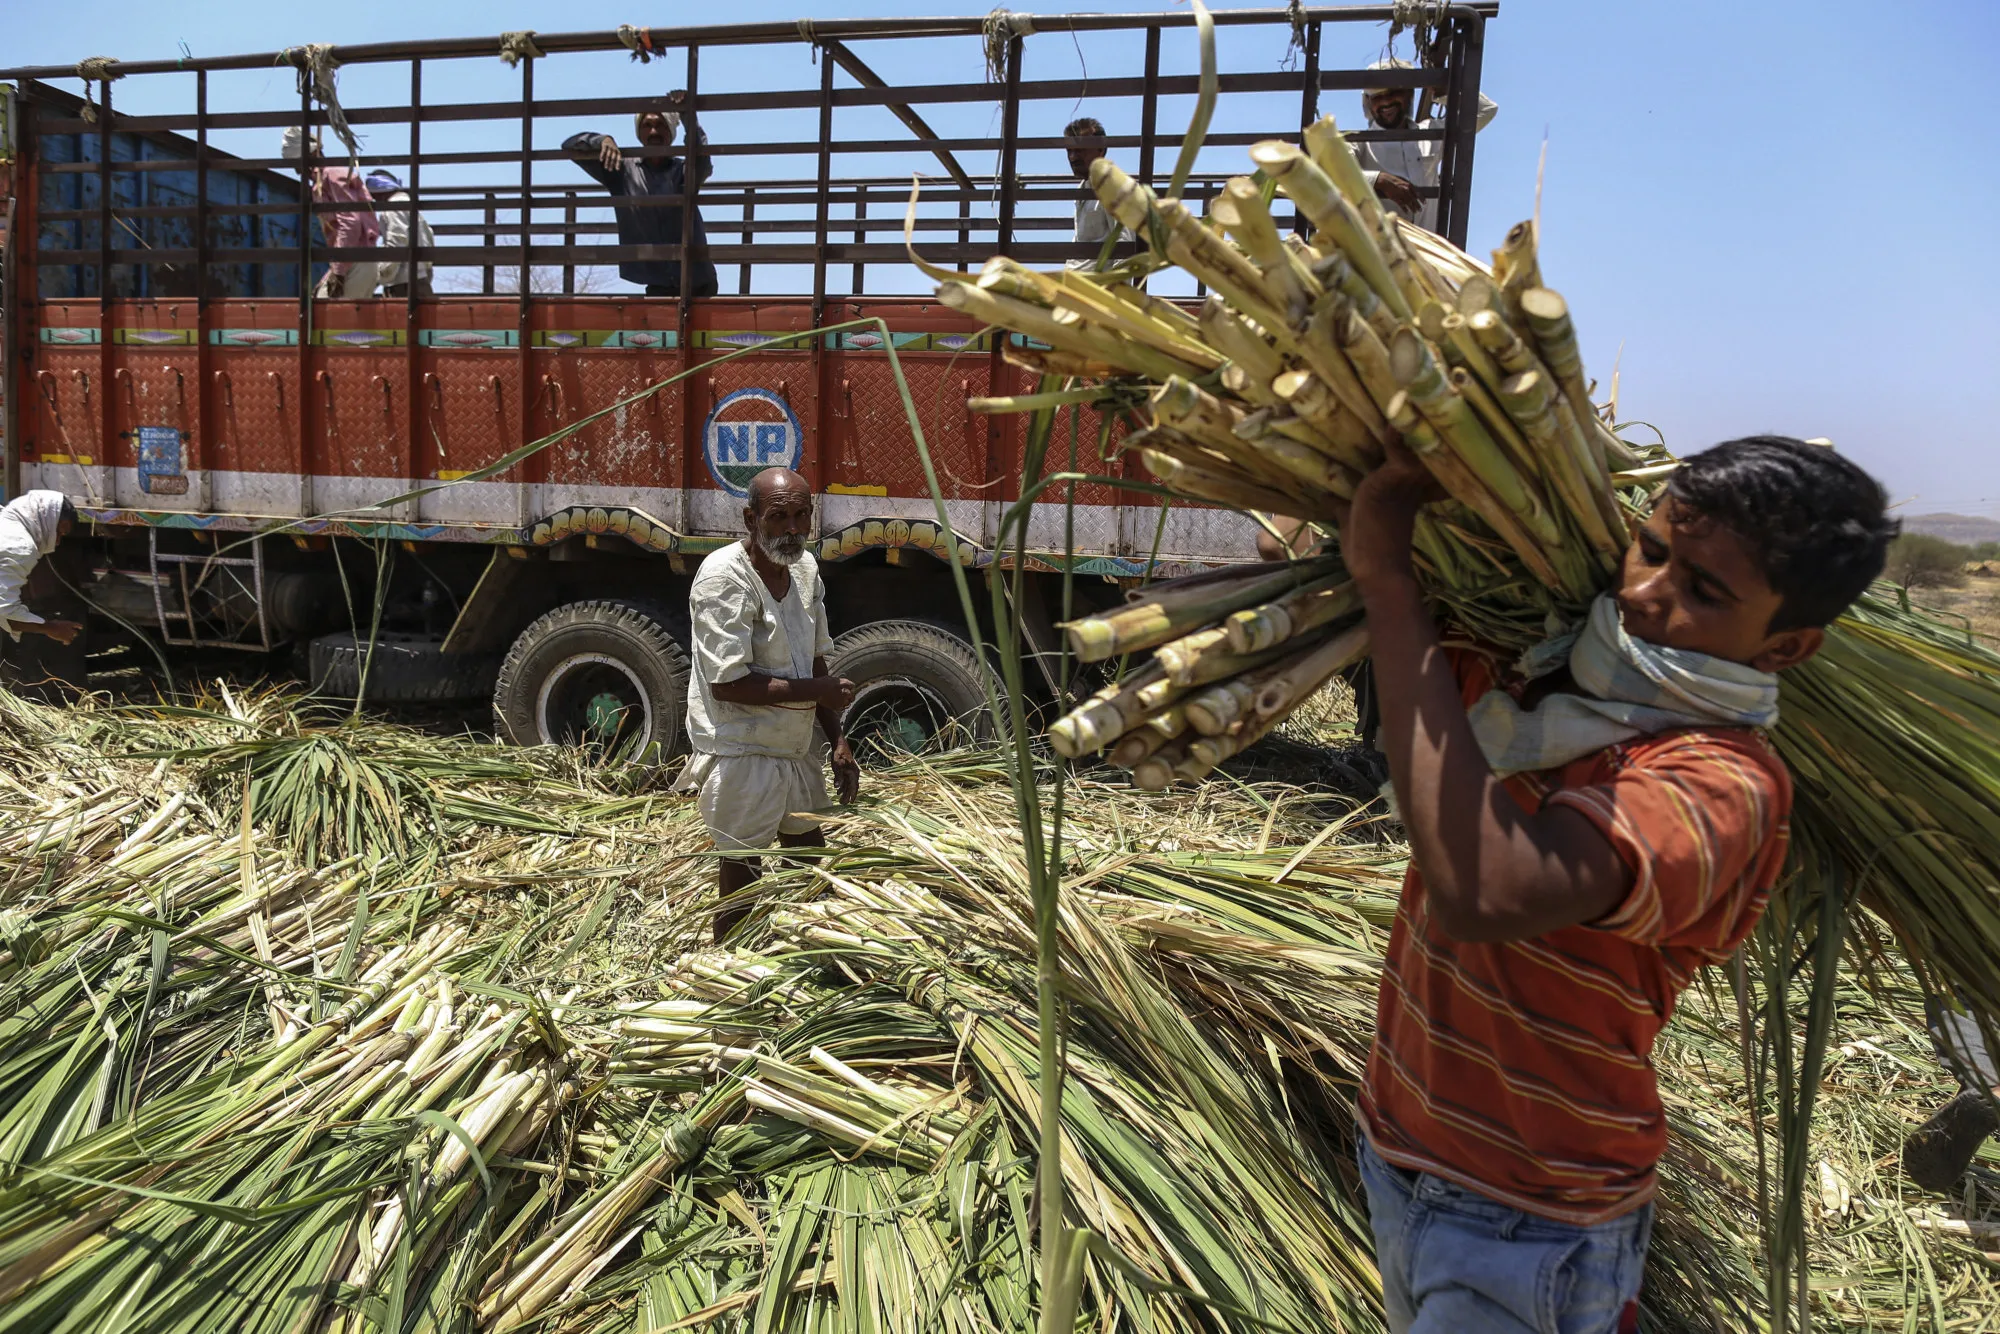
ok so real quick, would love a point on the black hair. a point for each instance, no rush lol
(1083, 127)
(1816, 523)
(67, 514)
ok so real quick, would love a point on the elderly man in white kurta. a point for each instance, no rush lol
(760, 683)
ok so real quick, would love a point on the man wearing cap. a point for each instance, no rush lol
(633, 178)
(760, 640)
(342, 227)
(384, 188)
(1397, 168)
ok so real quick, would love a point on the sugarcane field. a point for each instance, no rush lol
(1025, 672)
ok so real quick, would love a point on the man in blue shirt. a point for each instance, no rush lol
(631, 177)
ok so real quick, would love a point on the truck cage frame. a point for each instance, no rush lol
(532, 241)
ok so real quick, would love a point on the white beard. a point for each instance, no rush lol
(772, 551)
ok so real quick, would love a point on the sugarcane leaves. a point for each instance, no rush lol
(438, 1120)
(1204, 103)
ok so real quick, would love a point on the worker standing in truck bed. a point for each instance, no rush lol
(629, 177)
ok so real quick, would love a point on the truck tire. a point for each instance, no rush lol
(916, 685)
(405, 669)
(603, 674)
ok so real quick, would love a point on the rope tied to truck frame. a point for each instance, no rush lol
(1001, 27)
(518, 46)
(96, 69)
(317, 74)
(639, 41)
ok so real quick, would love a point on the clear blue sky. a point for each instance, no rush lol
(1773, 209)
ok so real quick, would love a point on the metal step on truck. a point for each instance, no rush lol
(229, 424)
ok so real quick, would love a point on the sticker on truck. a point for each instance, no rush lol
(747, 432)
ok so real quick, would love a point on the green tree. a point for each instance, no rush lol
(1918, 560)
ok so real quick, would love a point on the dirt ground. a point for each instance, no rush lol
(1975, 604)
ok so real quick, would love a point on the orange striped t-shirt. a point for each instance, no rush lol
(1524, 1070)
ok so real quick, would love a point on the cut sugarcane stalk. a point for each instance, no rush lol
(1242, 212)
(1290, 688)
(1530, 400)
(1503, 428)
(1329, 211)
(1251, 468)
(1105, 716)
(1184, 407)
(1369, 357)
(1337, 275)
(1548, 321)
(1478, 292)
(1229, 335)
(1239, 382)
(1205, 656)
(1497, 337)
(1347, 436)
(1149, 736)
(1222, 266)
(1466, 487)
(1169, 612)
(1033, 320)
(1457, 425)
(1324, 348)
(1516, 268)
(1334, 156)
(1464, 349)
(1309, 459)
(1062, 365)
(1005, 277)
(1155, 773)
(1092, 303)
(1215, 710)
(1315, 605)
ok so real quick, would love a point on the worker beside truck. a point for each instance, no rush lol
(760, 683)
(30, 527)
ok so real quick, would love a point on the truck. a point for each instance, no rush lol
(501, 489)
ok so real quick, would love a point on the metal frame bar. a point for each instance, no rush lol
(822, 186)
(1009, 230)
(751, 34)
(1010, 147)
(180, 562)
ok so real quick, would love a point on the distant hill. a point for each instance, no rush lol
(1964, 529)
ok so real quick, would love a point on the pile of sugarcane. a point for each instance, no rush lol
(466, 1076)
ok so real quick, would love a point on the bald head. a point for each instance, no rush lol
(773, 481)
(779, 516)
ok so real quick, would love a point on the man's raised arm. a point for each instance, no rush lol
(597, 154)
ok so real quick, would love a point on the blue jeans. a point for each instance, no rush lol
(1455, 1262)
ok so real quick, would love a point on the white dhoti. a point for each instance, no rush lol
(748, 800)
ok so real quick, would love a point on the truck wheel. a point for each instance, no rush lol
(604, 675)
(405, 669)
(916, 685)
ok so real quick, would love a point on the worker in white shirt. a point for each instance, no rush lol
(30, 527)
(1085, 136)
(760, 683)
(1397, 168)
(384, 188)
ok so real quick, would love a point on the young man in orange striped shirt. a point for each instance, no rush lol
(1581, 844)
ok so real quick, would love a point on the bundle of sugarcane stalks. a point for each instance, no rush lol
(1280, 394)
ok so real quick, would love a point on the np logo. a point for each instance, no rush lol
(749, 431)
